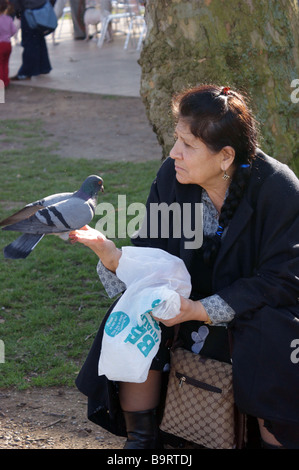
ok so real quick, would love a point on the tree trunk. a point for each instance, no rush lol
(249, 45)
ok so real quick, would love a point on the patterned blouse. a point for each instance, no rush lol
(217, 309)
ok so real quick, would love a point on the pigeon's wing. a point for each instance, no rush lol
(77, 212)
(22, 214)
(33, 225)
(32, 208)
(64, 216)
(55, 199)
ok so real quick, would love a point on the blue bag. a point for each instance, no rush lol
(42, 19)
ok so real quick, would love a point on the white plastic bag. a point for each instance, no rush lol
(154, 280)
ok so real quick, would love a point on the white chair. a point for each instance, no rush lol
(137, 25)
(124, 14)
(64, 12)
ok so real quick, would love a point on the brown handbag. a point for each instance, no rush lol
(200, 404)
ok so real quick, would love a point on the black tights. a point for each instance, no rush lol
(141, 396)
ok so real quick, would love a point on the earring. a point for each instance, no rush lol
(225, 176)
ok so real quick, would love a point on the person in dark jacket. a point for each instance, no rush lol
(245, 276)
(35, 58)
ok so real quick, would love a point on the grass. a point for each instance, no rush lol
(52, 303)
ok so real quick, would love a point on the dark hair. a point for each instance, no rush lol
(3, 5)
(221, 117)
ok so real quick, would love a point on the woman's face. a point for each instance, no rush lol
(195, 163)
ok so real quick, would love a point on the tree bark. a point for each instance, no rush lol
(249, 45)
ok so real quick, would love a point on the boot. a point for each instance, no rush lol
(142, 429)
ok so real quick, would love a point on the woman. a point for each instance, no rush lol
(248, 266)
(35, 59)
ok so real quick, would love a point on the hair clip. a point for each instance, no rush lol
(219, 231)
(245, 166)
(225, 91)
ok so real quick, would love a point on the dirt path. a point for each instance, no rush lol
(52, 418)
(88, 126)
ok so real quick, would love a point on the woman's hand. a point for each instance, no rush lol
(190, 310)
(88, 236)
(105, 249)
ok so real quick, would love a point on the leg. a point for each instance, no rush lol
(2, 63)
(143, 396)
(267, 437)
(6, 64)
(139, 403)
(77, 11)
(5, 50)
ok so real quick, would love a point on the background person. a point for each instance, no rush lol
(35, 58)
(7, 30)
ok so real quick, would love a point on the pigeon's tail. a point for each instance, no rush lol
(22, 246)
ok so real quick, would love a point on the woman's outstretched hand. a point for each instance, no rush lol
(105, 249)
(88, 236)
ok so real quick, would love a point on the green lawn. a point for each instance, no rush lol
(52, 303)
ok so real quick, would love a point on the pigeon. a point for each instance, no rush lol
(57, 214)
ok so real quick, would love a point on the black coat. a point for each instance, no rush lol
(257, 273)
